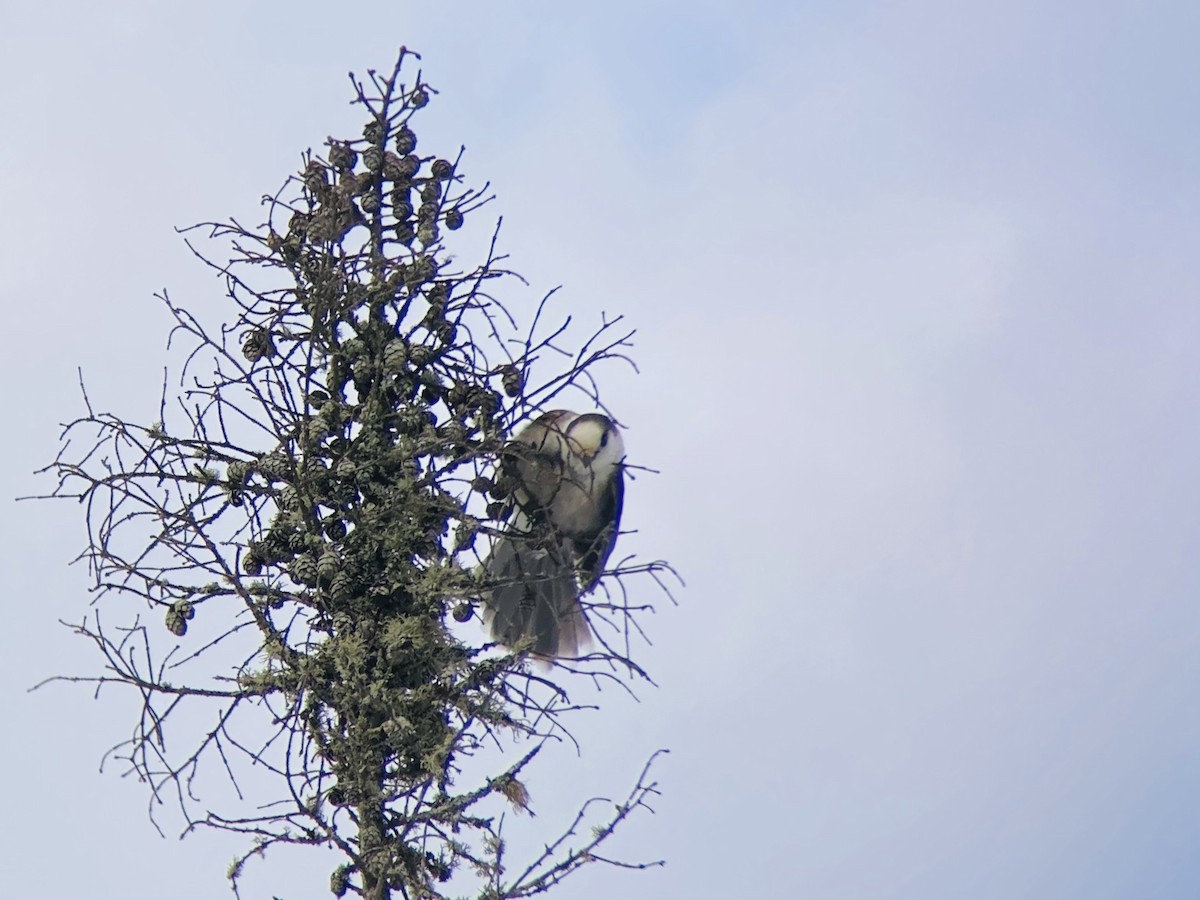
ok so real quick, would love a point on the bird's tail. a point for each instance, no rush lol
(534, 593)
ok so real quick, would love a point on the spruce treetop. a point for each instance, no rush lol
(290, 551)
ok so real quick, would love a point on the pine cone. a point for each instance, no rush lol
(342, 585)
(176, 624)
(315, 178)
(303, 570)
(236, 474)
(406, 141)
(274, 466)
(464, 534)
(374, 132)
(328, 565)
(339, 881)
(395, 355)
(258, 345)
(342, 157)
(511, 380)
(409, 166)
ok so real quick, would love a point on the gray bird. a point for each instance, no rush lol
(568, 472)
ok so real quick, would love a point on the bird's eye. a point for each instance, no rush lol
(604, 439)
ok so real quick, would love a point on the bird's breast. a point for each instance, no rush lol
(575, 508)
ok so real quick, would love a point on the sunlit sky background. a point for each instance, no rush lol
(916, 287)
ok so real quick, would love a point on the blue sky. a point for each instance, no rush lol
(916, 289)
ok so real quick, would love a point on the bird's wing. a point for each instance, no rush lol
(534, 594)
(593, 550)
(535, 461)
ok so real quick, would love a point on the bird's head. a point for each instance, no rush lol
(595, 439)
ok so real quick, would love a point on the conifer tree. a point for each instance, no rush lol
(286, 558)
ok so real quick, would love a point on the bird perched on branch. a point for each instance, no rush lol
(567, 472)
